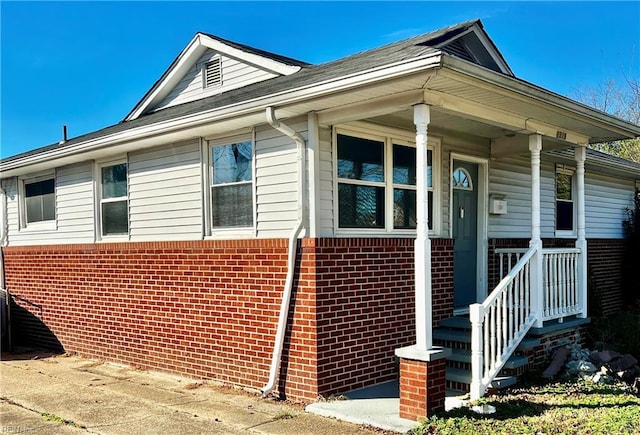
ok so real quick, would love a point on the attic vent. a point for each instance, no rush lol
(459, 49)
(212, 73)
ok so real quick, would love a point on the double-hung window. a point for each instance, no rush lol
(565, 205)
(376, 182)
(231, 185)
(39, 204)
(114, 199)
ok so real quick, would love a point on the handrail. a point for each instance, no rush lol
(499, 324)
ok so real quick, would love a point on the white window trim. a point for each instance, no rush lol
(98, 201)
(207, 175)
(567, 170)
(50, 225)
(388, 136)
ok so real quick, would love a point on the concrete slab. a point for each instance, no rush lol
(81, 395)
(378, 406)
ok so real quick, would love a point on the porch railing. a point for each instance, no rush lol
(499, 324)
(560, 283)
(560, 278)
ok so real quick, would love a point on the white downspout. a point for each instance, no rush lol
(293, 242)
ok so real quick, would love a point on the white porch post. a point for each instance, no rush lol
(537, 295)
(581, 242)
(421, 118)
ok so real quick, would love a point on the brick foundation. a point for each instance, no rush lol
(422, 388)
(209, 309)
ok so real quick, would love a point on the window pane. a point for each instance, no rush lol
(232, 206)
(39, 188)
(114, 181)
(360, 206)
(232, 163)
(360, 159)
(404, 208)
(404, 165)
(429, 169)
(115, 219)
(34, 209)
(564, 215)
(40, 201)
(563, 186)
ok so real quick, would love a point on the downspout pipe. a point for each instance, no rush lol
(293, 243)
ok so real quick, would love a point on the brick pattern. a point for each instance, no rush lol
(209, 309)
(366, 306)
(604, 259)
(540, 356)
(206, 309)
(422, 388)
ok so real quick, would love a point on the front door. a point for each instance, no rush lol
(465, 233)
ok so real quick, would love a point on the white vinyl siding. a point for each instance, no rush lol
(325, 218)
(606, 197)
(512, 177)
(74, 209)
(165, 193)
(277, 179)
(235, 74)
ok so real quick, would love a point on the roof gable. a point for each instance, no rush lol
(204, 47)
(472, 43)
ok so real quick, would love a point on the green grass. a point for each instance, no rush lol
(56, 419)
(579, 407)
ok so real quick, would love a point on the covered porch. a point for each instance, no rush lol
(536, 285)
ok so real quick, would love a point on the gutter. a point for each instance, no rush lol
(293, 243)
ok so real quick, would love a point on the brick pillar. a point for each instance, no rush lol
(422, 382)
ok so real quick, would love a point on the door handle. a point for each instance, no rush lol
(461, 212)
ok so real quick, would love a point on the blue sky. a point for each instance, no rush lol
(86, 64)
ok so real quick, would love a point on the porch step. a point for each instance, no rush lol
(459, 336)
(456, 322)
(464, 356)
(464, 377)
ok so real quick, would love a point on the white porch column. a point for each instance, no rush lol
(581, 242)
(421, 118)
(537, 295)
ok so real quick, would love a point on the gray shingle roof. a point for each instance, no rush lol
(309, 74)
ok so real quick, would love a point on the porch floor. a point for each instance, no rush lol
(377, 406)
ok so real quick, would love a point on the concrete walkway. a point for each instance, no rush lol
(68, 394)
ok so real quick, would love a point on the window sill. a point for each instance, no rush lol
(232, 233)
(48, 227)
(566, 235)
(355, 232)
(112, 239)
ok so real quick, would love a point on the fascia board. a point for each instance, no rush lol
(171, 77)
(280, 99)
(254, 59)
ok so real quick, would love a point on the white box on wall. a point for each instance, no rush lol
(497, 206)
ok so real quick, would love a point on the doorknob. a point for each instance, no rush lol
(461, 212)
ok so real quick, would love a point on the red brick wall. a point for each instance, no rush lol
(604, 258)
(422, 388)
(209, 309)
(366, 306)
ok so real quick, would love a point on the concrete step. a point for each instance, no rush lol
(458, 336)
(464, 377)
(456, 322)
(464, 356)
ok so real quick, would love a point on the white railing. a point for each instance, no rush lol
(560, 283)
(507, 258)
(499, 324)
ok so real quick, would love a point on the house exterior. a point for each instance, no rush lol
(272, 224)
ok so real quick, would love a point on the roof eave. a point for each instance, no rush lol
(624, 129)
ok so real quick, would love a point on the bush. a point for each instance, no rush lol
(620, 332)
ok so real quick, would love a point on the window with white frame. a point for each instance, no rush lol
(39, 204)
(114, 199)
(376, 182)
(565, 205)
(231, 184)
